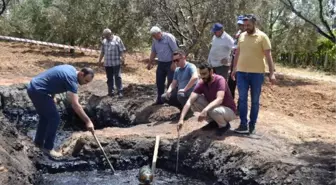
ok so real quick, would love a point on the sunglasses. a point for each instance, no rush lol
(176, 60)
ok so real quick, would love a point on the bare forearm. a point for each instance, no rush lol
(270, 64)
(152, 57)
(171, 87)
(81, 113)
(101, 57)
(185, 110)
(191, 82)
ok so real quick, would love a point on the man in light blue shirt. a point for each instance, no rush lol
(184, 82)
(163, 46)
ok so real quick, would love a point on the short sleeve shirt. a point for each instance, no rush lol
(58, 79)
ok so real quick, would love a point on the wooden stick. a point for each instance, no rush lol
(101, 148)
(156, 149)
(177, 150)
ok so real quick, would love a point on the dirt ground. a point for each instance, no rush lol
(297, 116)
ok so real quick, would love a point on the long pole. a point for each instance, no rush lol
(101, 148)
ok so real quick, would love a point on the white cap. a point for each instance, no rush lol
(107, 31)
(154, 30)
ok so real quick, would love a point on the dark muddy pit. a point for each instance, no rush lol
(120, 178)
(201, 157)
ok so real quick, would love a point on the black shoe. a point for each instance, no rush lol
(252, 128)
(210, 126)
(221, 131)
(111, 94)
(242, 129)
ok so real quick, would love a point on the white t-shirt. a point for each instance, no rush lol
(220, 48)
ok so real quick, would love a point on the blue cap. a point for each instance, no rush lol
(240, 19)
(217, 27)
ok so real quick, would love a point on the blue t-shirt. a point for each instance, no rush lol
(183, 76)
(58, 79)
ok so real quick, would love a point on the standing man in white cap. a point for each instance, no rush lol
(112, 50)
(163, 46)
(221, 47)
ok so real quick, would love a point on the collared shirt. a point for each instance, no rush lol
(183, 76)
(251, 52)
(164, 47)
(210, 91)
(112, 50)
(221, 48)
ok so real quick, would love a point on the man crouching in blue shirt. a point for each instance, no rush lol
(42, 89)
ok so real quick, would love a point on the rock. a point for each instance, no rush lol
(291, 114)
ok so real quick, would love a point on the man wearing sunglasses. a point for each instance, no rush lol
(184, 81)
(163, 46)
(254, 47)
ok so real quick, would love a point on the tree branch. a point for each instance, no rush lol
(291, 7)
(324, 21)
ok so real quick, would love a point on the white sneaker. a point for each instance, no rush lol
(52, 153)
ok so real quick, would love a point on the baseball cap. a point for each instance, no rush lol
(217, 27)
(240, 19)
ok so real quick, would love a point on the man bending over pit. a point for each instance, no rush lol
(42, 89)
(184, 81)
(212, 97)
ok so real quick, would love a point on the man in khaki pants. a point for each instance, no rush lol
(211, 97)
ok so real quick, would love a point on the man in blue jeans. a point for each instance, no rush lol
(163, 46)
(42, 89)
(253, 47)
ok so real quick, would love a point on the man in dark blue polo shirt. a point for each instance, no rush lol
(42, 89)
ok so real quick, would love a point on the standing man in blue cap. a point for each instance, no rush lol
(163, 46)
(232, 83)
(221, 47)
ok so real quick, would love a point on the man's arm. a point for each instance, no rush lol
(101, 53)
(79, 110)
(269, 59)
(192, 81)
(235, 63)
(172, 86)
(187, 106)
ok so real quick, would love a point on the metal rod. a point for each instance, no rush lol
(101, 148)
(177, 150)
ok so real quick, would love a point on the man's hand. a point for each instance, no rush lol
(272, 78)
(202, 116)
(122, 59)
(233, 74)
(149, 65)
(181, 91)
(179, 125)
(89, 126)
(224, 61)
(168, 94)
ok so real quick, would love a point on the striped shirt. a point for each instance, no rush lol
(112, 51)
(165, 47)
